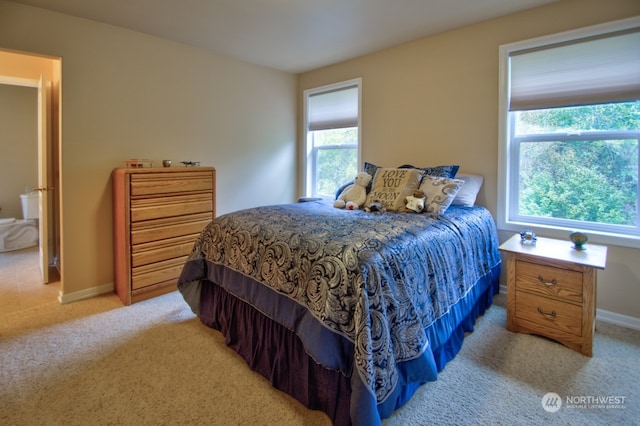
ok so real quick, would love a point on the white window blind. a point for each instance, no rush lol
(336, 109)
(595, 70)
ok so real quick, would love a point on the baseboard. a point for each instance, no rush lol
(606, 316)
(618, 319)
(503, 289)
(85, 294)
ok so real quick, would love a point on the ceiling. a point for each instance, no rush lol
(289, 35)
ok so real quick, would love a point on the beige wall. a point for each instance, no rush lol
(435, 101)
(18, 146)
(128, 95)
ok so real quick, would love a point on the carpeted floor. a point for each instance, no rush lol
(96, 362)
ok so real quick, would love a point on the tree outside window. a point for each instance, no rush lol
(579, 163)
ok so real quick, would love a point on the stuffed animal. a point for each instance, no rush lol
(354, 195)
(415, 202)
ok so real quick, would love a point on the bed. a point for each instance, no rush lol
(347, 311)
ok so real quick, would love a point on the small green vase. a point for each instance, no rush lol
(578, 239)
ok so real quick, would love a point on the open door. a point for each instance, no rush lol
(44, 146)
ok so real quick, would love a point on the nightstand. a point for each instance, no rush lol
(551, 290)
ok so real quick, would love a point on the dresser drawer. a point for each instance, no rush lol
(550, 314)
(549, 281)
(169, 183)
(162, 229)
(155, 273)
(158, 251)
(164, 207)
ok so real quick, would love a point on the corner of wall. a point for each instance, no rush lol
(87, 293)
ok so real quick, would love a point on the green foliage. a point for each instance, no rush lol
(335, 167)
(585, 180)
(337, 158)
(619, 116)
(336, 136)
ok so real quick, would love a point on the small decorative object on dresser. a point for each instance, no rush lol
(138, 164)
(158, 214)
(551, 290)
(578, 239)
(527, 236)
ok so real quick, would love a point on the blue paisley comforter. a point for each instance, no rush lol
(377, 279)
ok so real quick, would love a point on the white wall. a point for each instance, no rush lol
(128, 95)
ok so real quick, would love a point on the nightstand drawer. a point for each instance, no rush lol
(549, 313)
(549, 281)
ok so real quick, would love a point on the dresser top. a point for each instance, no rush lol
(172, 169)
(593, 255)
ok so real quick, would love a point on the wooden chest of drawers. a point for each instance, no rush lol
(551, 290)
(158, 214)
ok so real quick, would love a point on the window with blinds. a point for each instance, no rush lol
(332, 121)
(569, 133)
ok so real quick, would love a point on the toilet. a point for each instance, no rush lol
(18, 234)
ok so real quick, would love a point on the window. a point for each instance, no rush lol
(569, 134)
(332, 127)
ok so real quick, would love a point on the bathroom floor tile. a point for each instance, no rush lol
(21, 285)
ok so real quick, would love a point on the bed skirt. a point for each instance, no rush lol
(278, 354)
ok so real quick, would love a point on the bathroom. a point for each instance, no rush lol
(18, 168)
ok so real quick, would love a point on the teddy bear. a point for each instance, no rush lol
(354, 195)
(415, 202)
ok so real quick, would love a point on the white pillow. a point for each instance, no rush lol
(439, 193)
(469, 191)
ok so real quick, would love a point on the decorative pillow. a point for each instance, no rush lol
(441, 171)
(370, 168)
(392, 186)
(469, 191)
(439, 193)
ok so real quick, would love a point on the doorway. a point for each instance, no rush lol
(33, 166)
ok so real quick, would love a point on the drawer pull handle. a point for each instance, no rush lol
(546, 315)
(547, 283)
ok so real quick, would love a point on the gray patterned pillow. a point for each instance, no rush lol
(439, 193)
